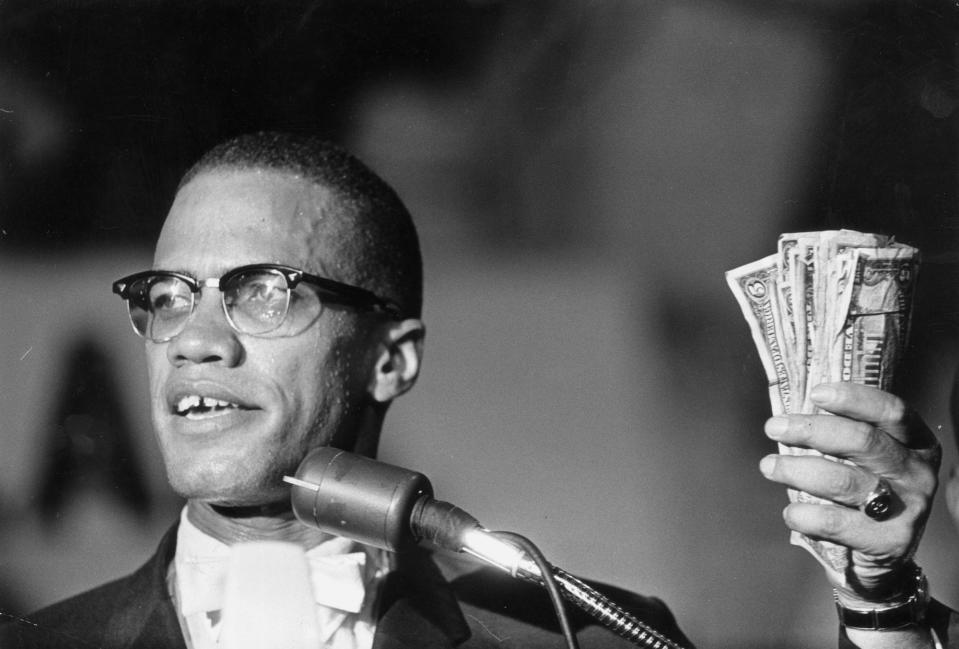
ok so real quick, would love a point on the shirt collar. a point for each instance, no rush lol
(339, 571)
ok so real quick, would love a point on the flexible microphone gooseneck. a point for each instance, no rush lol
(390, 507)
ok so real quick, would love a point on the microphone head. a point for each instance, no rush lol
(357, 497)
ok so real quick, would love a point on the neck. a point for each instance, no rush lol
(273, 522)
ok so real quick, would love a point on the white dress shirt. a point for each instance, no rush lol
(345, 578)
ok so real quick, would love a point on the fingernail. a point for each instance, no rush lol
(823, 393)
(776, 427)
(767, 465)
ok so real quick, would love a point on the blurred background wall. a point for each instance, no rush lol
(582, 175)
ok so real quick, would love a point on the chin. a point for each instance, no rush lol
(228, 490)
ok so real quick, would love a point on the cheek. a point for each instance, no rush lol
(331, 387)
(157, 367)
(306, 377)
(345, 374)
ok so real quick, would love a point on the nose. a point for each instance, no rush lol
(207, 337)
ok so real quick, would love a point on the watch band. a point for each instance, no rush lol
(896, 616)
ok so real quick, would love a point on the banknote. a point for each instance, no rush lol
(755, 287)
(828, 306)
(876, 329)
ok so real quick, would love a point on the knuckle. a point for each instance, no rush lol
(872, 439)
(927, 482)
(915, 504)
(831, 521)
(842, 483)
(899, 540)
(933, 456)
(894, 410)
(921, 478)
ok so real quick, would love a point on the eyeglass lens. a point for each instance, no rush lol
(255, 302)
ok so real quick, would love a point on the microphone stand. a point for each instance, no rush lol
(485, 546)
(389, 507)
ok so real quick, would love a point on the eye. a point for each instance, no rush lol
(257, 301)
(259, 290)
(169, 295)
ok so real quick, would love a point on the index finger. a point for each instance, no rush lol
(861, 443)
(873, 406)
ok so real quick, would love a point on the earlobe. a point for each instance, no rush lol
(397, 365)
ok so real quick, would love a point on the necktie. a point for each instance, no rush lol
(335, 581)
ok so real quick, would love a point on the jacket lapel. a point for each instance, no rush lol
(147, 620)
(418, 607)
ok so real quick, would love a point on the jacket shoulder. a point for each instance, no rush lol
(132, 611)
(74, 622)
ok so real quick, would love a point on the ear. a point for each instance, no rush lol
(397, 364)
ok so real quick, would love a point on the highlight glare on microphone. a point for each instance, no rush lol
(296, 482)
(488, 547)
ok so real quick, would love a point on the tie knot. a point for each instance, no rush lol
(336, 571)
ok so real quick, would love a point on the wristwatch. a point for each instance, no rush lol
(899, 615)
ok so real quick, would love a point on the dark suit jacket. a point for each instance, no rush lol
(419, 611)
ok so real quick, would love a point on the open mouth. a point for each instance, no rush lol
(194, 406)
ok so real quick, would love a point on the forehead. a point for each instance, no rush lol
(227, 218)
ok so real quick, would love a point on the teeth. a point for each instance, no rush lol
(194, 406)
(188, 402)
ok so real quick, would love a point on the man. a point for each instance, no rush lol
(281, 315)
(878, 509)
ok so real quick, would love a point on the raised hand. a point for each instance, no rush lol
(890, 447)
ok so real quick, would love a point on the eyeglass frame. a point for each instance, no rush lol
(342, 293)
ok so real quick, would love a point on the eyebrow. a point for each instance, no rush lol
(181, 271)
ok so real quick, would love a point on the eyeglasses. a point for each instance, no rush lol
(267, 300)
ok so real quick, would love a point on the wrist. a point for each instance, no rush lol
(894, 587)
(900, 608)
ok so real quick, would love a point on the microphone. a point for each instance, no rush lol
(388, 507)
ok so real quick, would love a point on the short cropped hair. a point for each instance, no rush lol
(384, 253)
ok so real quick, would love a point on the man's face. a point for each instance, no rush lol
(233, 413)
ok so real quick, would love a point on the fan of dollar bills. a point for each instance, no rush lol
(827, 306)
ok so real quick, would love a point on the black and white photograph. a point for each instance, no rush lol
(422, 324)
